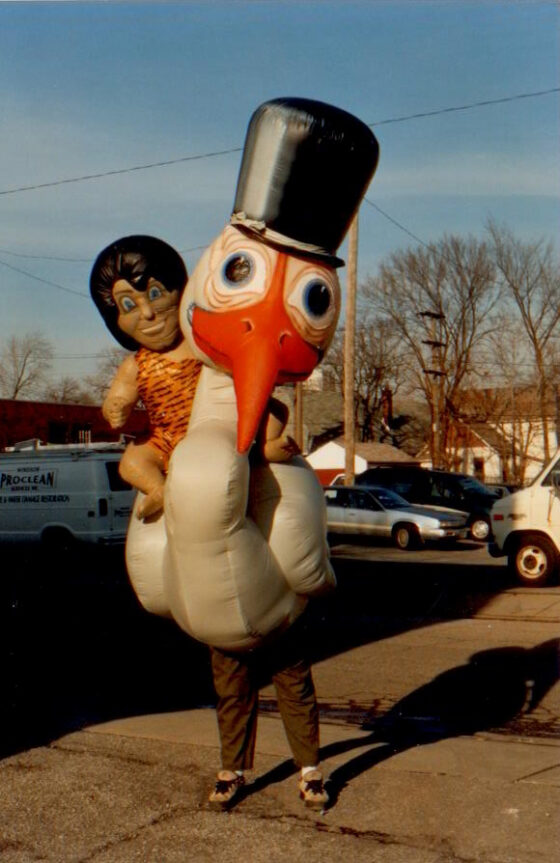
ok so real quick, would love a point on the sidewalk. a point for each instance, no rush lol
(134, 790)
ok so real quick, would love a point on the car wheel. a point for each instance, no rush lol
(405, 536)
(533, 560)
(57, 540)
(479, 530)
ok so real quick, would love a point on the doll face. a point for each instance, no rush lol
(150, 317)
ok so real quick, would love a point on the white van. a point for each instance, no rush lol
(526, 528)
(57, 494)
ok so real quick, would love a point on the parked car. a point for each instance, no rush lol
(377, 511)
(437, 488)
(502, 489)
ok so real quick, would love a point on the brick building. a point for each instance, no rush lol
(52, 422)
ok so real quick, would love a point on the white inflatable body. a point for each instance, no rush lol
(239, 548)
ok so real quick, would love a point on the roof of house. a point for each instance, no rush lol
(323, 411)
(378, 453)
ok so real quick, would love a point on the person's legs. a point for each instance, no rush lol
(237, 679)
(297, 702)
(236, 709)
(236, 712)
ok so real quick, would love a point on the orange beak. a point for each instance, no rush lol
(259, 346)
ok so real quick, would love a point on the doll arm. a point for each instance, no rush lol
(273, 444)
(122, 395)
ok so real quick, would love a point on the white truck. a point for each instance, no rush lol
(526, 528)
(61, 494)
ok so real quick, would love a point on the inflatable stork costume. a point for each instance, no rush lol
(239, 549)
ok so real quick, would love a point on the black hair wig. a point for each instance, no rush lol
(135, 259)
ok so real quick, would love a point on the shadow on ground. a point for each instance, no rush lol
(496, 688)
(77, 648)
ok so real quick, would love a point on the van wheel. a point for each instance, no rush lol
(58, 540)
(480, 529)
(405, 536)
(533, 560)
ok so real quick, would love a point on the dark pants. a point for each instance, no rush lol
(237, 680)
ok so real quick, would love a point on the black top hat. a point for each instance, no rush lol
(305, 168)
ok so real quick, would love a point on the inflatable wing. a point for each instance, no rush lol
(241, 548)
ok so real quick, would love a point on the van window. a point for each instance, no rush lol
(554, 469)
(116, 482)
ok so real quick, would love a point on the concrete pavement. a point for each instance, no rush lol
(134, 789)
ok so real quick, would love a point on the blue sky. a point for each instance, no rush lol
(89, 88)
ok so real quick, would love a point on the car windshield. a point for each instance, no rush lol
(389, 499)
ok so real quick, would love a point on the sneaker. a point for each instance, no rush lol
(311, 790)
(227, 790)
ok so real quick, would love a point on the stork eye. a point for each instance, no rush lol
(317, 298)
(238, 270)
(314, 299)
(237, 278)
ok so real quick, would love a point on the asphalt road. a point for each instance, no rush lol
(78, 649)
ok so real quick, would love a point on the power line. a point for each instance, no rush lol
(166, 163)
(44, 257)
(119, 171)
(194, 248)
(77, 260)
(70, 356)
(467, 107)
(44, 281)
(222, 152)
(430, 247)
(397, 224)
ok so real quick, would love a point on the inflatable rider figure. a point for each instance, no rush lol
(137, 283)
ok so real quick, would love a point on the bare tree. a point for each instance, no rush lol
(68, 390)
(440, 301)
(24, 365)
(512, 404)
(99, 382)
(377, 366)
(531, 277)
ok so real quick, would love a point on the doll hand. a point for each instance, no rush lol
(280, 448)
(116, 411)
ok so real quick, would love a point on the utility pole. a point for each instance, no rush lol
(349, 342)
(436, 371)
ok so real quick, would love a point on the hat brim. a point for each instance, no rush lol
(284, 244)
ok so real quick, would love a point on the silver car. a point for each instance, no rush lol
(377, 511)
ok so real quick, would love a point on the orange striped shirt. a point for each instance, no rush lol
(167, 389)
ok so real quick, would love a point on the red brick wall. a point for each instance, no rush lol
(59, 423)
